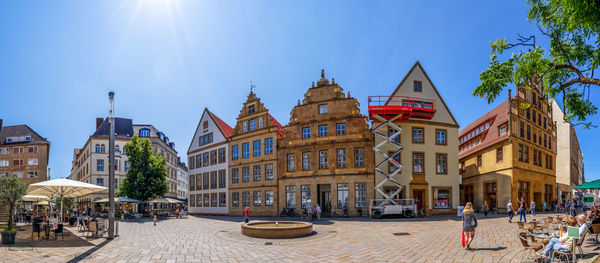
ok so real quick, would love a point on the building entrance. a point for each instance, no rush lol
(324, 197)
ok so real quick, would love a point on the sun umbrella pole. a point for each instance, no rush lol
(61, 208)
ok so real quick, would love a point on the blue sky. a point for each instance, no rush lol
(166, 60)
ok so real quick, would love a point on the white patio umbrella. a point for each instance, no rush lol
(35, 199)
(63, 188)
(120, 199)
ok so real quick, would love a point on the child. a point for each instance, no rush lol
(154, 219)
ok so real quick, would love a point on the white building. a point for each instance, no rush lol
(182, 181)
(208, 166)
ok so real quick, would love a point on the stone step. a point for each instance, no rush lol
(3, 213)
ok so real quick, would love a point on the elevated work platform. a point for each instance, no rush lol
(389, 107)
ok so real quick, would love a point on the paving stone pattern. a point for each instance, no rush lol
(217, 239)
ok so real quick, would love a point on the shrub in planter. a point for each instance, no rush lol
(11, 191)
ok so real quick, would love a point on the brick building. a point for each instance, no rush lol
(23, 153)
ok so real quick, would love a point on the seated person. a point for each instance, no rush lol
(563, 243)
(595, 220)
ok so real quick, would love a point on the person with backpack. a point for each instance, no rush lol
(522, 210)
(469, 225)
(510, 210)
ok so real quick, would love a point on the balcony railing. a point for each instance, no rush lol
(391, 106)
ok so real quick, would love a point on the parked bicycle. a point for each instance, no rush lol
(287, 212)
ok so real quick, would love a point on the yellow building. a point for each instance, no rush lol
(430, 146)
(253, 163)
(509, 153)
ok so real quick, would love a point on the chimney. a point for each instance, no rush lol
(99, 121)
(1, 126)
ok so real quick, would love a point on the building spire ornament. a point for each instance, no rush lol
(322, 73)
(323, 81)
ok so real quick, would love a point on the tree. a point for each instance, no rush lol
(566, 69)
(67, 202)
(147, 174)
(11, 191)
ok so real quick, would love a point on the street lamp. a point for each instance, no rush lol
(111, 166)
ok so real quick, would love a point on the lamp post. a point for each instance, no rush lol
(111, 167)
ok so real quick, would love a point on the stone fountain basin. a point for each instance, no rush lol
(283, 229)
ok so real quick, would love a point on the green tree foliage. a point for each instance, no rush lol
(567, 65)
(147, 175)
(68, 204)
(11, 191)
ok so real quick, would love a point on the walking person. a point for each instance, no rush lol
(522, 209)
(544, 207)
(318, 209)
(247, 215)
(310, 212)
(510, 210)
(532, 208)
(486, 208)
(469, 224)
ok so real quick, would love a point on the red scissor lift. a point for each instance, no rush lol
(387, 110)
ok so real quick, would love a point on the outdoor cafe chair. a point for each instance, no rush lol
(529, 248)
(544, 226)
(564, 255)
(36, 227)
(93, 228)
(579, 243)
(59, 230)
(596, 230)
(521, 225)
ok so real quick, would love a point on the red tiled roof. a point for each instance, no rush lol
(279, 127)
(225, 128)
(499, 116)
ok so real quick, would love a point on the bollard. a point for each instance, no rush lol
(117, 229)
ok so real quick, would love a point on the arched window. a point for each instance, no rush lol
(144, 132)
(117, 148)
(97, 148)
(102, 148)
(123, 150)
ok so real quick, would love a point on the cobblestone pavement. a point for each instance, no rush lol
(218, 239)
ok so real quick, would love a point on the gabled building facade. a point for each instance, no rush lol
(325, 153)
(208, 159)
(428, 160)
(253, 162)
(23, 153)
(569, 158)
(509, 152)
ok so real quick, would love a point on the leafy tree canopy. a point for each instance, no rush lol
(566, 66)
(147, 175)
(11, 191)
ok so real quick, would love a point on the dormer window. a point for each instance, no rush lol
(97, 148)
(251, 109)
(144, 132)
(102, 148)
(205, 125)
(27, 138)
(322, 108)
(417, 86)
(117, 149)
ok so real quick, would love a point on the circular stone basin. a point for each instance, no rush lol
(277, 229)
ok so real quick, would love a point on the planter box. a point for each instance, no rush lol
(8, 238)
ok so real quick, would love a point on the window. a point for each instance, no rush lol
(391, 133)
(260, 122)
(479, 163)
(191, 162)
(322, 130)
(268, 198)
(256, 198)
(102, 148)
(251, 109)
(235, 199)
(205, 139)
(222, 199)
(534, 117)
(246, 198)
(256, 172)
(305, 196)
(199, 182)
(306, 161)
(341, 158)
(99, 181)
(205, 159)
(417, 86)
(502, 130)
(549, 163)
(222, 179)
(322, 108)
(418, 162)
(539, 119)
(245, 174)
(205, 181)
(213, 199)
(545, 125)
(245, 150)
(213, 157)
(441, 163)
(393, 167)
(192, 200)
(441, 198)
(192, 182)
(534, 138)
(528, 113)
(17, 149)
(4, 163)
(305, 132)
(252, 124)
(234, 152)
(30, 149)
(269, 171)
(323, 162)
(342, 195)
(18, 175)
(523, 190)
(244, 127)
(3, 174)
(360, 195)
(205, 125)
(32, 175)
(290, 196)
(528, 132)
(440, 137)
(359, 157)
(144, 132)
(213, 180)
(222, 155)
(4, 151)
(257, 148)
(32, 161)
(268, 146)
(545, 140)
(117, 149)
(522, 130)
(99, 165)
(417, 135)
(499, 155)
(340, 129)
(235, 175)
(550, 143)
(291, 162)
(199, 161)
(206, 200)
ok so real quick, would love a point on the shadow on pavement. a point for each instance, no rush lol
(489, 248)
(89, 252)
